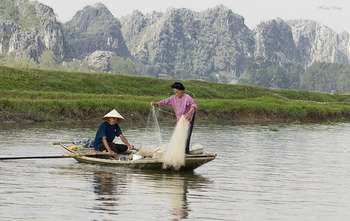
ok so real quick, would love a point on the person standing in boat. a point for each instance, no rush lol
(106, 133)
(183, 104)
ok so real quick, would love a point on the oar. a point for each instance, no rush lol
(59, 143)
(58, 156)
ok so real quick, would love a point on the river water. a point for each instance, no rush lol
(271, 172)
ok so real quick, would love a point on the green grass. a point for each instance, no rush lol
(56, 81)
(40, 95)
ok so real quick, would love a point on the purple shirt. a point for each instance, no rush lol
(180, 105)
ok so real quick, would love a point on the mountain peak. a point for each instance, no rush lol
(100, 6)
(96, 10)
(222, 7)
(94, 28)
(90, 18)
(308, 24)
(29, 28)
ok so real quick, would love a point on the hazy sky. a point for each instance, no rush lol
(333, 13)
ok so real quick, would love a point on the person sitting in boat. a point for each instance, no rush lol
(183, 104)
(106, 133)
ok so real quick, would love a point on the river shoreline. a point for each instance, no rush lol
(202, 117)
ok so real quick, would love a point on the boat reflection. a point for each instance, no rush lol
(175, 189)
(107, 187)
(170, 188)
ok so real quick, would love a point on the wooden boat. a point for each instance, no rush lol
(192, 161)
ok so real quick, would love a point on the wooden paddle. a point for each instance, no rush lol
(58, 156)
(59, 143)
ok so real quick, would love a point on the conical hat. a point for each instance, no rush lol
(114, 113)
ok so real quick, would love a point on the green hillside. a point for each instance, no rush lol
(41, 95)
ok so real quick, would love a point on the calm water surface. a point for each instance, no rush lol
(275, 172)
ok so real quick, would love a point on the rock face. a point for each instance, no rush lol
(274, 42)
(300, 41)
(179, 42)
(316, 42)
(29, 28)
(94, 28)
(100, 60)
(183, 41)
(134, 24)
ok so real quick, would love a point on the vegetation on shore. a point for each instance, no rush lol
(320, 76)
(39, 95)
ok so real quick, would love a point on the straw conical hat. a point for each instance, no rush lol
(114, 113)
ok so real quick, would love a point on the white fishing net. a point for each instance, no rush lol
(172, 154)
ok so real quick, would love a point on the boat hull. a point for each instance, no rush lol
(191, 161)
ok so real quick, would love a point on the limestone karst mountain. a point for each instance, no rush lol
(274, 42)
(94, 28)
(301, 41)
(28, 28)
(190, 43)
(179, 42)
(318, 43)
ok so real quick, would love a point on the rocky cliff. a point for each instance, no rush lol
(29, 28)
(185, 42)
(180, 42)
(92, 29)
(100, 60)
(274, 42)
(316, 42)
(218, 41)
(300, 41)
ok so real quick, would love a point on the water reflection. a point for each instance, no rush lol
(174, 188)
(296, 172)
(105, 187)
(169, 188)
(178, 197)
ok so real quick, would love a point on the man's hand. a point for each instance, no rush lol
(188, 116)
(130, 147)
(114, 155)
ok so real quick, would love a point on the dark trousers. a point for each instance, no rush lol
(189, 134)
(118, 148)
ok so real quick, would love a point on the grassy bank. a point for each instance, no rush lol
(38, 95)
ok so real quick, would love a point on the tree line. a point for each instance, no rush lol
(320, 76)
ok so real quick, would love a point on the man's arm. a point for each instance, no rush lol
(165, 102)
(193, 108)
(123, 138)
(188, 114)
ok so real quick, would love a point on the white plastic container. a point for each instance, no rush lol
(136, 157)
(196, 149)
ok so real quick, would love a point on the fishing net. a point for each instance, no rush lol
(171, 154)
(174, 152)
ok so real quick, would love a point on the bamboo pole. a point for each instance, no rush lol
(50, 157)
